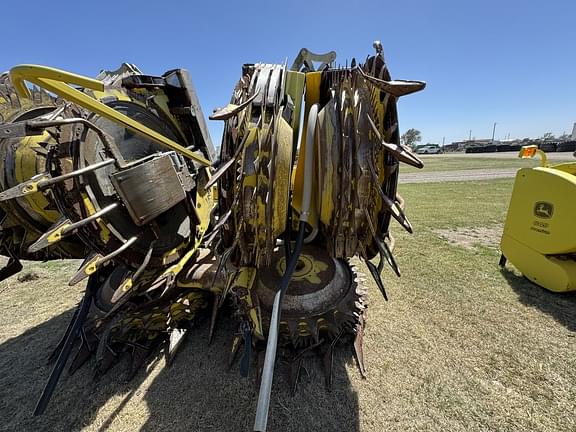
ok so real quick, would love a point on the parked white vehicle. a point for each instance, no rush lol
(429, 149)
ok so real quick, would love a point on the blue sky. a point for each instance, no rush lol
(510, 62)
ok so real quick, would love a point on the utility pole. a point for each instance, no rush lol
(493, 132)
(470, 135)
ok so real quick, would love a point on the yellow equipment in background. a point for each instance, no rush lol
(539, 236)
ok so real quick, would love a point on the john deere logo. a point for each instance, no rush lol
(543, 210)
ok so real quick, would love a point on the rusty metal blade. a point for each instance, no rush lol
(396, 88)
(359, 347)
(231, 109)
(295, 368)
(213, 317)
(401, 153)
(391, 205)
(390, 258)
(328, 360)
(376, 277)
(229, 163)
(236, 342)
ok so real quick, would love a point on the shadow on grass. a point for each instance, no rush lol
(560, 306)
(197, 393)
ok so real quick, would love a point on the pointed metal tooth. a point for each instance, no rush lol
(25, 188)
(246, 358)
(236, 343)
(396, 88)
(359, 347)
(401, 202)
(95, 261)
(293, 330)
(295, 368)
(328, 361)
(260, 358)
(104, 364)
(391, 205)
(313, 329)
(377, 278)
(391, 260)
(123, 289)
(119, 296)
(330, 318)
(65, 228)
(231, 109)
(71, 333)
(138, 357)
(213, 317)
(390, 133)
(56, 352)
(224, 294)
(53, 235)
(221, 170)
(87, 348)
(43, 181)
(401, 153)
(396, 212)
(174, 342)
(89, 267)
(222, 220)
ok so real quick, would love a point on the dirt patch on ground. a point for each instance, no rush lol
(471, 238)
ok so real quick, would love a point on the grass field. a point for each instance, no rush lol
(459, 162)
(460, 346)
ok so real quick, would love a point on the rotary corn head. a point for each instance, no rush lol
(537, 238)
(120, 171)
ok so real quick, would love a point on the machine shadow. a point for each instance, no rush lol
(197, 392)
(200, 393)
(560, 306)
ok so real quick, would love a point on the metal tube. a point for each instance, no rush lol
(263, 406)
(43, 184)
(272, 344)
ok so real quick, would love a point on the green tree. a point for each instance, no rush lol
(411, 137)
(548, 136)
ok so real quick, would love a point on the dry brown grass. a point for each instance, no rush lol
(460, 346)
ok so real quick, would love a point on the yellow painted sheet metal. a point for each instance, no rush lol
(104, 231)
(26, 167)
(282, 178)
(553, 273)
(295, 82)
(242, 285)
(543, 210)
